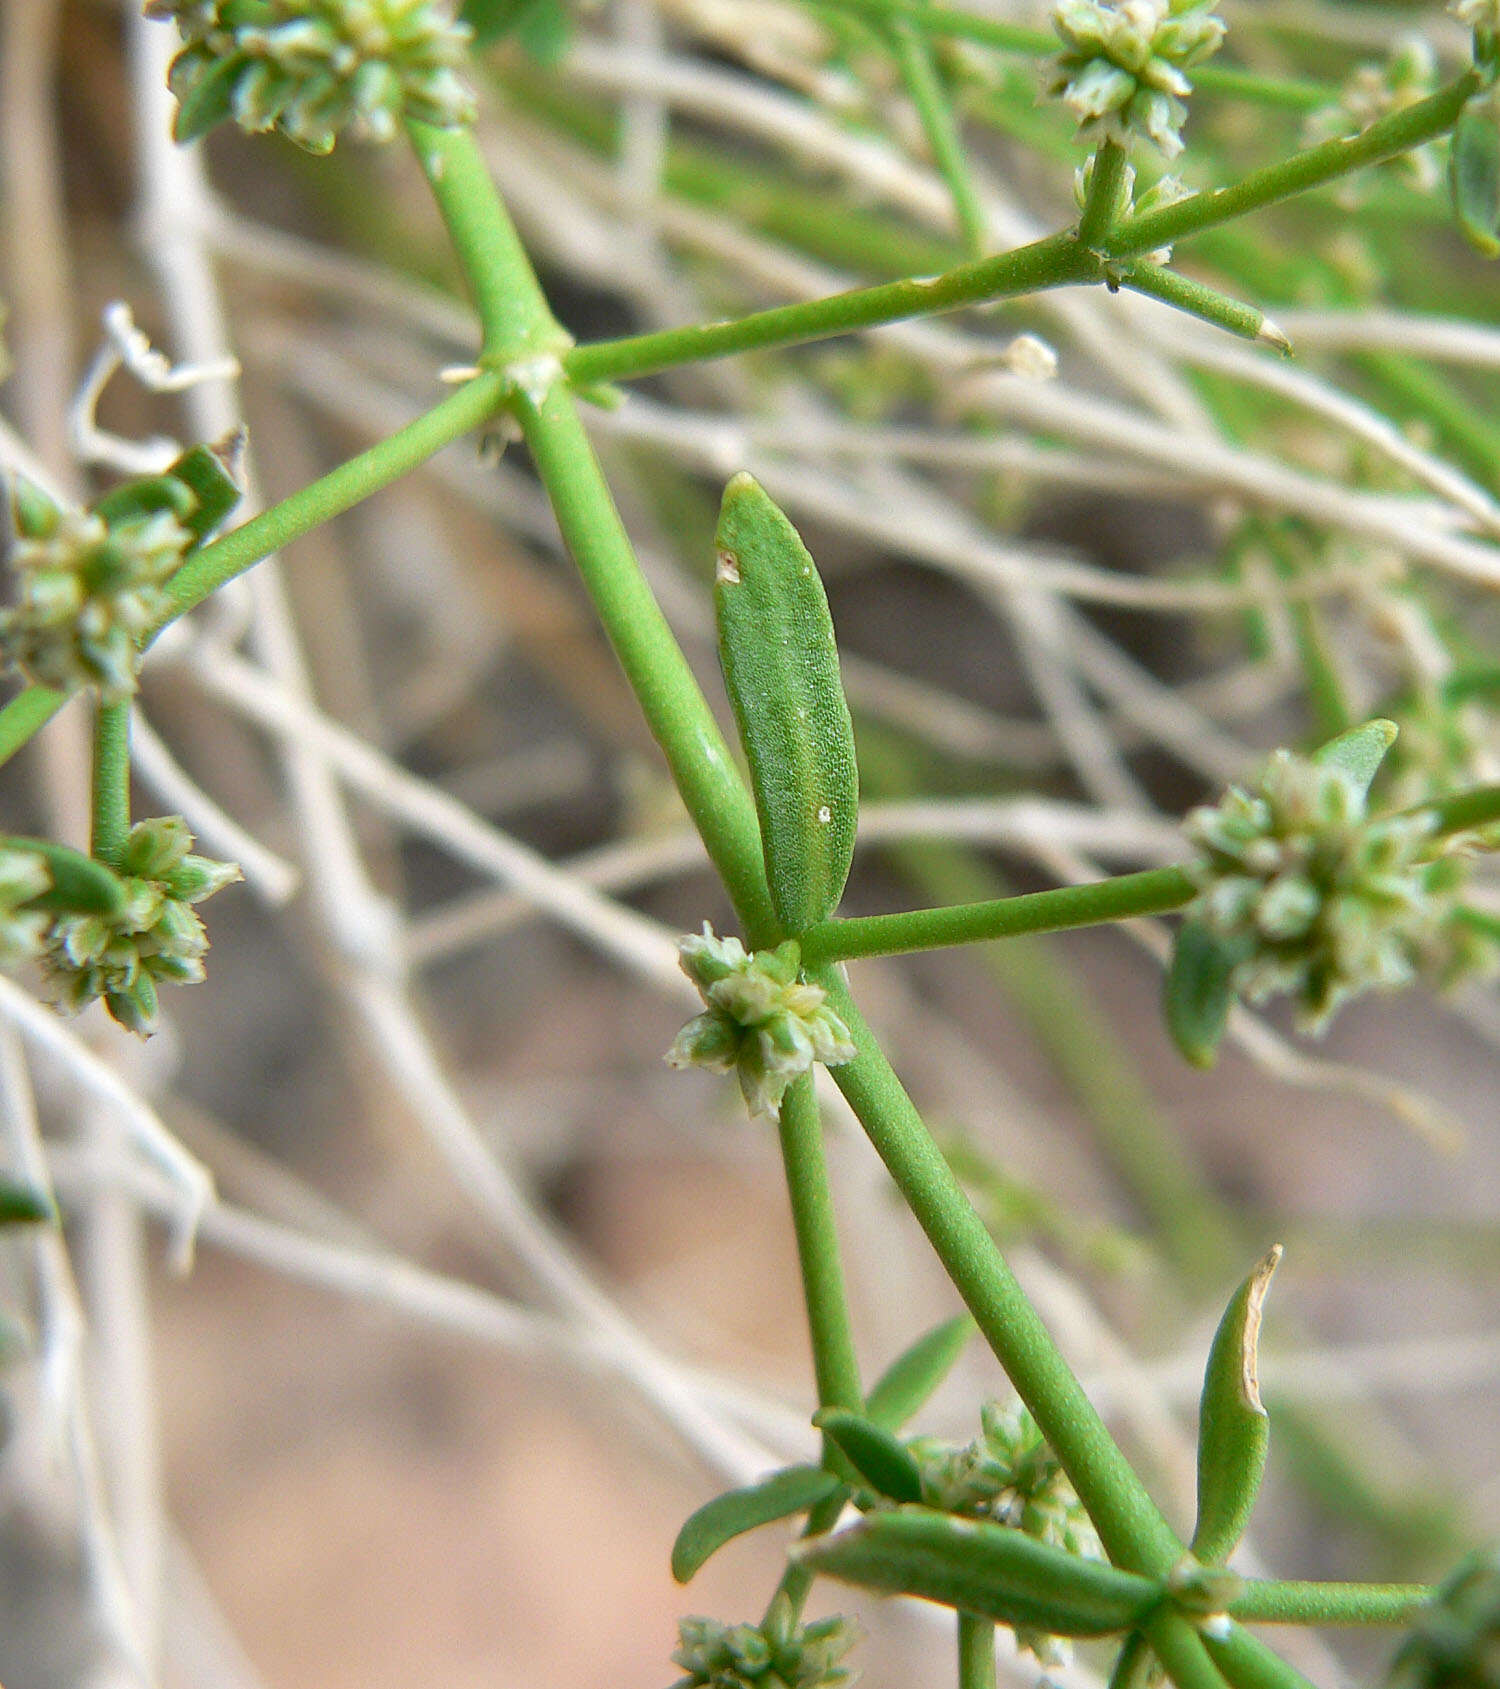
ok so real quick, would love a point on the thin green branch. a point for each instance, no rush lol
(1151, 892)
(26, 715)
(1101, 203)
(1312, 168)
(1057, 261)
(1182, 1653)
(940, 126)
(1134, 1533)
(976, 1652)
(1270, 1602)
(1249, 1664)
(1198, 300)
(111, 780)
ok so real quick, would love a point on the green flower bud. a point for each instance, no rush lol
(763, 1023)
(1122, 63)
(314, 69)
(1455, 1643)
(155, 938)
(24, 875)
(1326, 900)
(779, 1654)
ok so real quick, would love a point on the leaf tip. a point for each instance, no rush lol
(1255, 1303)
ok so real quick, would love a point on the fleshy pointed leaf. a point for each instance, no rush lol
(980, 1567)
(907, 1383)
(207, 471)
(79, 883)
(210, 100)
(1360, 751)
(1233, 1427)
(24, 1205)
(1198, 992)
(781, 669)
(880, 1458)
(1474, 175)
(727, 1516)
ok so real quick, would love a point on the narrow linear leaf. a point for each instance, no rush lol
(727, 1516)
(1233, 1427)
(1360, 751)
(880, 1458)
(79, 883)
(1474, 175)
(24, 1205)
(1198, 992)
(980, 1567)
(909, 1381)
(781, 668)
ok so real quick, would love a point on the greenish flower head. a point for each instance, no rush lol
(23, 876)
(89, 589)
(155, 939)
(1375, 91)
(1010, 1474)
(1324, 900)
(1455, 1643)
(778, 1654)
(1121, 70)
(314, 69)
(763, 1022)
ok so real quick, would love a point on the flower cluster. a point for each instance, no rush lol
(1009, 1474)
(1122, 64)
(89, 589)
(24, 876)
(1324, 899)
(762, 1023)
(1375, 91)
(314, 68)
(778, 1654)
(156, 938)
(1455, 1643)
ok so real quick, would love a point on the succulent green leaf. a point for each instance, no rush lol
(727, 1516)
(34, 514)
(145, 497)
(1474, 174)
(880, 1458)
(1233, 1427)
(205, 471)
(781, 669)
(1359, 752)
(210, 100)
(79, 883)
(981, 1567)
(1132, 1668)
(24, 1205)
(1199, 992)
(907, 1383)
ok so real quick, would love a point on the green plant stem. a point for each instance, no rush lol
(940, 126)
(796, 1580)
(1183, 1656)
(834, 1362)
(1249, 1664)
(1329, 1603)
(1312, 168)
(976, 1652)
(111, 781)
(1103, 198)
(1133, 1532)
(1151, 892)
(213, 565)
(1456, 813)
(1132, 1667)
(1198, 300)
(1057, 261)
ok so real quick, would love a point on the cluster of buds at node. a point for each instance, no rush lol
(1455, 1642)
(763, 1022)
(1010, 1474)
(90, 587)
(155, 937)
(1375, 91)
(24, 876)
(778, 1654)
(313, 69)
(1121, 70)
(1321, 899)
